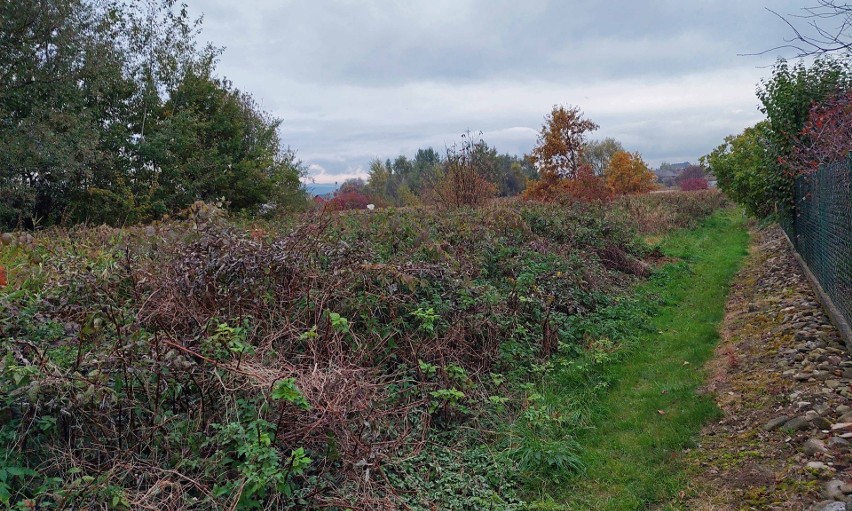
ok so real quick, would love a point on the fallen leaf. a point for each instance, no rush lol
(661, 412)
(3, 279)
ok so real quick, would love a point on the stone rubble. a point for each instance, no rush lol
(784, 380)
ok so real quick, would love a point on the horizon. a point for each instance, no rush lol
(354, 82)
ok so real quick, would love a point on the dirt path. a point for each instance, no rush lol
(783, 380)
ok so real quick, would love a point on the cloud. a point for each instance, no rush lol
(317, 174)
(353, 81)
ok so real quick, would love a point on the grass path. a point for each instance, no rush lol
(651, 412)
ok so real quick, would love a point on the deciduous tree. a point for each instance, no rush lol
(742, 169)
(561, 142)
(827, 29)
(627, 173)
(597, 153)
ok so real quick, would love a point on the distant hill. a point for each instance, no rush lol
(321, 189)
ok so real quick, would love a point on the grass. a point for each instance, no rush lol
(650, 411)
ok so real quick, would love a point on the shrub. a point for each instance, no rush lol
(584, 187)
(826, 136)
(348, 200)
(627, 173)
(660, 212)
(692, 184)
(461, 180)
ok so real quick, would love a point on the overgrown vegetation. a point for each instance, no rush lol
(807, 124)
(347, 361)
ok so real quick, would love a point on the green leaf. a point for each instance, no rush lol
(287, 390)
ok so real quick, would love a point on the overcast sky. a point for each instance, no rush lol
(358, 80)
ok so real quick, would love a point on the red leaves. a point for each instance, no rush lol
(3, 278)
(348, 200)
(694, 183)
(825, 137)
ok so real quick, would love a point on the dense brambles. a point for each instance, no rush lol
(350, 361)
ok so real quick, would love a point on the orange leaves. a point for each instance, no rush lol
(559, 159)
(627, 173)
(559, 151)
(585, 186)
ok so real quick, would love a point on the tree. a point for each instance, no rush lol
(828, 29)
(559, 159)
(742, 167)
(461, 181)
(597, 153)
(561, 141)
(627, 173)
(211, 142)
(786, 99)
(110, 113)
(60, 90)
(426, 163)
(690, 172)
(355, 184)
(379, 181)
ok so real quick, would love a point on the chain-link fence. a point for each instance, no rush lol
(821, 230)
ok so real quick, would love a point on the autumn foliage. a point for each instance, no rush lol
(461, 180)
(692, 184)
(586, 187)
(825, 137)
(558, 156)
(627, 173)
(559, 151)
(348, 200)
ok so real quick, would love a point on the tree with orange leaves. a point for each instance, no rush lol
(627, 173)
(559, 151)
(558, 156)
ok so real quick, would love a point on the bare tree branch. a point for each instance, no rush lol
(827, 29)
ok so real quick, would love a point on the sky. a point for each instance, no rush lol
(357, 80)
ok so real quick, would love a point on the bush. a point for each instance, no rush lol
(627, 173)
(660, 212)
(693, 183)
(348, 200)
(584, 187)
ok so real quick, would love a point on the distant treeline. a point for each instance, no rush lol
(408, 181)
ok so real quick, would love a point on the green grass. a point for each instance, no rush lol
(648, 410)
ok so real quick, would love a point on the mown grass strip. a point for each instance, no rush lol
(651, 411)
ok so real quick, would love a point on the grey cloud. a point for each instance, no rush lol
(358, 80)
